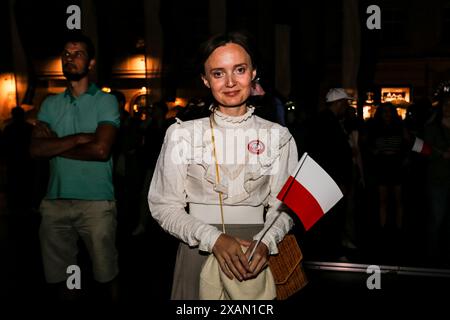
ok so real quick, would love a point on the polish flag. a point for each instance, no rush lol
(421, 147)
(310, 192)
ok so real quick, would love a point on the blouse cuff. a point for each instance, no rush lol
(208, 241)
(276, 232)
(271, 244)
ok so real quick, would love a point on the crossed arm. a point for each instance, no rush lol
(81, 146)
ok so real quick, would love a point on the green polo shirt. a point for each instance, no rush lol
(66, 115)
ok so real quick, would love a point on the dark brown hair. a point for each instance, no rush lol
(77, 36)
(239, 38)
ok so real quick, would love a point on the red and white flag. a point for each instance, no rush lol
(421, 147)
(310, 192)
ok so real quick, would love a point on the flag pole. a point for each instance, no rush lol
(305, 155)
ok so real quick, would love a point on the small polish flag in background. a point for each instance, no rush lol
(421, 147)
(310, 192)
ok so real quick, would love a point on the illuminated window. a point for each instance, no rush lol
(397, 96)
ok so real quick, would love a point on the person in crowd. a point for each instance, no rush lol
(328, 143)
(353, 126)
(268, 105)
(388, 140)
(126, 177)
(437, 135)
(16, 141)
(76, 130)
(153, 140)
(216, 163)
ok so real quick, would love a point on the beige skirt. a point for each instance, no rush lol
(190, 260)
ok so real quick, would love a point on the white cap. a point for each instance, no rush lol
(336, 94)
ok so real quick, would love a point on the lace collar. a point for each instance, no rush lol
(225, 120)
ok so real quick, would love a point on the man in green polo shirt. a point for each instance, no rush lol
(75, 130)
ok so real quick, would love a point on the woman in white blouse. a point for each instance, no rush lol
(217, 178)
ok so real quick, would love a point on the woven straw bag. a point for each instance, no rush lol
(287, 268)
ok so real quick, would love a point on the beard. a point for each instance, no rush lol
(75, 76)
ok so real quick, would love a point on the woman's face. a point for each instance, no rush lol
(229, 74)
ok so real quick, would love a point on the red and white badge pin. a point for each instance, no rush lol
(256, 147)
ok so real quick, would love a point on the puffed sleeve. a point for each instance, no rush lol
(278, 223)
(167, 193)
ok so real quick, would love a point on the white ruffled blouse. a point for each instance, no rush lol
(255, 158)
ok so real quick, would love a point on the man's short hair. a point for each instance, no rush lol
(77, 36)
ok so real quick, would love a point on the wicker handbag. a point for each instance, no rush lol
(287, 268)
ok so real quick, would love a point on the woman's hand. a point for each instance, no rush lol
(259, 260)
(231, 258)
